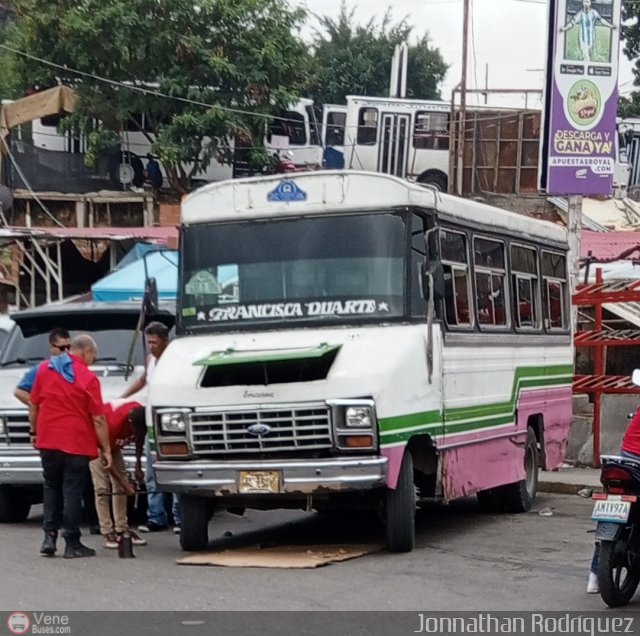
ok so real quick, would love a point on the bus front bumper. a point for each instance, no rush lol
(272, 477)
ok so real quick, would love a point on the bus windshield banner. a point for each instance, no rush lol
(584, 96)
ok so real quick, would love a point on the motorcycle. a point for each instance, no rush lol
(617, 513)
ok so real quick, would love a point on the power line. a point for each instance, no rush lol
(139, 89)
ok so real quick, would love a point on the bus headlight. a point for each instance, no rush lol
(174, 422)
(358, 417)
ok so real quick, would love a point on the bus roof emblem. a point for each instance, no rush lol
(287, 191)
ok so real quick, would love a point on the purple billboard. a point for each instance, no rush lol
(583, 97)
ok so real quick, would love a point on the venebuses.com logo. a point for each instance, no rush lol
(18, 623)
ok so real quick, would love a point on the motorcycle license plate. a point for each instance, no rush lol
(611, 509)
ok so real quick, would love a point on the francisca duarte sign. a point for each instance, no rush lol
(584, 95)
(266, 311)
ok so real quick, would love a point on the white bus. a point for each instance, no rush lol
(408, 138)
(381, 341)
(294, 131)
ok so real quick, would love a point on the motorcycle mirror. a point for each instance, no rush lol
(635, 377)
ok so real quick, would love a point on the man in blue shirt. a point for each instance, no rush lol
(59, 342)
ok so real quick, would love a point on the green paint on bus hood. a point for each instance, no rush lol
(231, 356)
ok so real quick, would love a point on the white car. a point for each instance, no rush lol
(112, 325)
(6, 325)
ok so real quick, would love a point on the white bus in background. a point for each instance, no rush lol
(295, 132)
(407, 138)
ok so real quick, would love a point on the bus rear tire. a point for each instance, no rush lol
(519, 497)
(434, 179)
(194, 513)
(400, 510)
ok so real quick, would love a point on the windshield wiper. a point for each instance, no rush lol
(27, 360)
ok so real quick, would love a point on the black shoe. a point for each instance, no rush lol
(151, 527)
(94, 530)
(49, 544)
(77, 550)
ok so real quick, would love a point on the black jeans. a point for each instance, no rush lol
(64, 480)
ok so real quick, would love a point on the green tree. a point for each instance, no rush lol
(355, 59)
(630, 25)
(243, 58)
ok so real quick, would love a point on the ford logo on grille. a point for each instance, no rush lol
(258, 429)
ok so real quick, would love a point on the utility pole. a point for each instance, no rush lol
(463, 97)
(574, 230)
(486, 83)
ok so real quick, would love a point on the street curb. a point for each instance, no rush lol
(561, 488)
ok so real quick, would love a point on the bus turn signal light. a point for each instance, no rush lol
(174, 448)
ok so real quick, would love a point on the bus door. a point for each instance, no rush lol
(392, 155)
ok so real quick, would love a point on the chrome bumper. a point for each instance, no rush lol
(23, 467)
(296, 476)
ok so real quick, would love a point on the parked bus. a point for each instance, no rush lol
(407, 138)
(295, 131)
(381, 342)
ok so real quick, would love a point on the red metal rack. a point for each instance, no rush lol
(596, 295)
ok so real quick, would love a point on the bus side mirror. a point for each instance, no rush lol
(433, 276)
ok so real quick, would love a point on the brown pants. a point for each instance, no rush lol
(109, 495)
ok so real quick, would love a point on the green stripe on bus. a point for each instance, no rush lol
(470, 418)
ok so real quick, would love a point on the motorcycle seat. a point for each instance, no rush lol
(632, 465)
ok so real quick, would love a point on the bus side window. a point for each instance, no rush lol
(289, 124)
(491, 289)
(367, 127)
(524, 268)
(455, 263)
(554, 276)
(335, 129)
(431, 131)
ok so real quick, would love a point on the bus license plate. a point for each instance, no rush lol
(257, 481)
(611, 509)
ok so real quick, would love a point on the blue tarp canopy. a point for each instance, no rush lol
(128, 282)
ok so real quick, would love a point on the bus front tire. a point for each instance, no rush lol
(400, 510)
(520, 496)
(194, 512)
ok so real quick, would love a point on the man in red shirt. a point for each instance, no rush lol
(126, 423)
(66, 417)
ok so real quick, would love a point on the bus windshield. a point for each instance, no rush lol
(335, 269)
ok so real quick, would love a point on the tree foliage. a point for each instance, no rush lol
(630, 107)
(354, 59)
(237, 60)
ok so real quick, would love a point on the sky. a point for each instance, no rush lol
(508, 36)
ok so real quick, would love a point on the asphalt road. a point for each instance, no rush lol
(464, 560)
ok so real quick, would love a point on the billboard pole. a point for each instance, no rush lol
(574, 230)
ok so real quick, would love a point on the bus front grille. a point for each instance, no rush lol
(260, 431)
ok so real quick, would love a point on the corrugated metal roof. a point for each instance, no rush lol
(619, 270)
